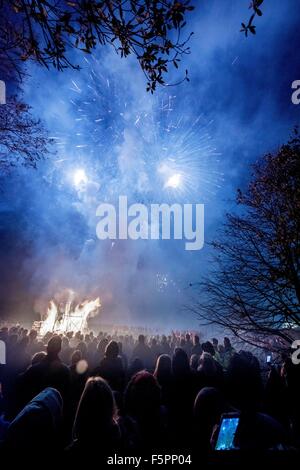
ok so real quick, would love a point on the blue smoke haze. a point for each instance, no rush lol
(236, 107)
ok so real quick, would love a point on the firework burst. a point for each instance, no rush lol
(144, 148)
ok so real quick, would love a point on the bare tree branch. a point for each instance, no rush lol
(254, 286)
(23, 139)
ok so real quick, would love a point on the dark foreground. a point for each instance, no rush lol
(123, 400)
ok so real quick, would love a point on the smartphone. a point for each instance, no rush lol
(228, 428)
(269, 359)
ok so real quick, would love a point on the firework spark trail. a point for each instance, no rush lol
(149, 150)
(126, 145)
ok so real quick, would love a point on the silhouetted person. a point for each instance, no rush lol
(244, 384)
(143, 404)
(66, 351)
(95, 431)
(33, 343)
(163, 374)
(78, 376)
(38, 357)
(196, 349)
(111, 367)
(123, 356)
(188, 345)
(182, 399)
(49, 372)
(165, 346)
(155, 349)
(291, 375)
(143, 352)
(228, 352)
(37, 428)
(208, 407)
(99, 354)
(194, 362)
(209, 372)
(91, 351)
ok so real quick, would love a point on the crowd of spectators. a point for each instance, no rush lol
(121, 393)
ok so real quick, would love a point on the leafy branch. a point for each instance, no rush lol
(250, 27)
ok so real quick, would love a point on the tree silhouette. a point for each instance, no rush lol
(253, 288)
(23, 139)
(47, 30)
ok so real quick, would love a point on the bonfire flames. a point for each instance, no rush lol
(67, 317)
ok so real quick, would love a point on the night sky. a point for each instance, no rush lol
(236, 107)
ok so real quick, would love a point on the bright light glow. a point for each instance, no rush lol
(174, 181)
(79, 177)
(82, 366)
(74, 319)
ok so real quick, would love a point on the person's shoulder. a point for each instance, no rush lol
(63, 368)
(32, 370)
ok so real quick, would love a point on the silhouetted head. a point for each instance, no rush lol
(13, 339)
(244, 381)
(96, 413)
(208, 347)
(141, 339)
(33, 335)
(163, 367)
(37, 427)
(180, 363)
(208, 407)
(142, 396)
(76, 357)
(83, 348)
(64, 342)
(38, 357)
(207, 364)
(54, 346)
(196, 339)
(112, 350)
